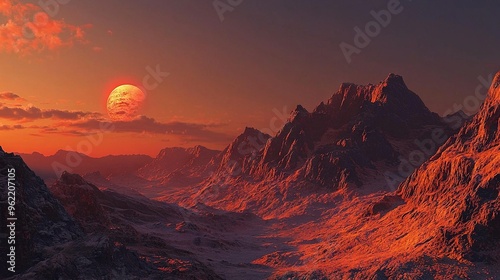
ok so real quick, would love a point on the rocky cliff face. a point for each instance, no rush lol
(238, 157)
(443, 222)
(462, 182)
(81, 201)
(41, 221)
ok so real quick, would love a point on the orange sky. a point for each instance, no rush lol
(261, 59)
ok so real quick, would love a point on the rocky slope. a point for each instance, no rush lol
(169, 241)
(442, 222)
(315, 201)
(462, 183)
(237, 158)
(75, 231)
(123, 219)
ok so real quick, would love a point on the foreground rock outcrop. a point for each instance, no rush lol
(462, 182)
(41, 221)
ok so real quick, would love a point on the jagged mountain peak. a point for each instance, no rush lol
(394, 89)
(493, 97)
(243, 148)
(394, 79)
(170, 150)
(392, 94)
(3, 152)
(249, 137)
(390, 97)
(496, 81)
(482, 132)
(71, 181)
(346, 87)
(300, 109)
(350, 90)
(299, 113)
(350, 131)
(198, 148)
(250, 131)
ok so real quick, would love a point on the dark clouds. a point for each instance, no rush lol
(10, 96)
(79, 123)
(34, 113)
(11, 127)
(190, 131)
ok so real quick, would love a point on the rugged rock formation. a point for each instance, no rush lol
(360, 130)
(462, 183)
(237, 158)
(116, 224)
(41, 221)
(81, 201)
(94, 240)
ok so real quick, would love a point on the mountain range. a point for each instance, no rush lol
(370, 184)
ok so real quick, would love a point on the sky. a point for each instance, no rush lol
(211, 68)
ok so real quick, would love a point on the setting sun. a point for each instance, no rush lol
(124, 102)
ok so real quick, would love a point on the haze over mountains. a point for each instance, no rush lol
(51, 167)
(369, 185)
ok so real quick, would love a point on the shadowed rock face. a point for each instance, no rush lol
(81, 201)
(114, 223)
(237, 158)
(465, 176)
(482, 133)
(41, 222)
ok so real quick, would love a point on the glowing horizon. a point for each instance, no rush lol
(208, 79)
